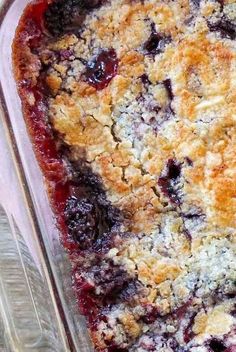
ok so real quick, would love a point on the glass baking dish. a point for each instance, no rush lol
(37, 305)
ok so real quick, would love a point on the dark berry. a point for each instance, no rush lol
(181, 312)
(217, 346)
(130, 290)
(92, 4)
(101, 69)
(65, 15)
(145, 80)
(82, 219)
(172, 343)
(105, 242)
(60, 15)
(168, 87)
(110, 279)
(115, 348)
(224, 27)
(152, 44)
(153, 107)
(155, 43)
(168, 182)
(151, 314)
(88, 184)
(90, 217)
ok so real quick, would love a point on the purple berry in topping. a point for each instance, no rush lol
(100, 71)
(217, 346)
(82, 219)
(92, 4)
(168, 182)
(152, 45)
(225, 28)
(151, 314)
(155, 43)
(110, 279)
(60, 15)
(188, 161)
(168, 87)
(173, 169)
(130, 290)
(65, 15)
(145, 80)
(106, 242)
(65, 54)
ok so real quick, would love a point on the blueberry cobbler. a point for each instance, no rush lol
(131, 108)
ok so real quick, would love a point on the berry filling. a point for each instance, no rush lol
(82, 219)
(88, 214)
(224, 27)
(156, 42)
(64, 16)
(101, 69)
(168, 182)
(168, 86)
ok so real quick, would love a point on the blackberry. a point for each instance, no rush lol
(92, 187)
(82, 219)
(109, 279)
(65, 15)
(90, 217)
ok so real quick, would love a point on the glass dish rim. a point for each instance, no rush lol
(44, 253)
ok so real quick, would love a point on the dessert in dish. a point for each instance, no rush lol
(131, 109)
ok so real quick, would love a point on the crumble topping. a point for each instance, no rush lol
(143, 94)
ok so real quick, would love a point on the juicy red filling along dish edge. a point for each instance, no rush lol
(51, 163)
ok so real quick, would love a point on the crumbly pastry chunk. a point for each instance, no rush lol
(140, 96)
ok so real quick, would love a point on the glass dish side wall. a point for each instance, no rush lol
(50, 255)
